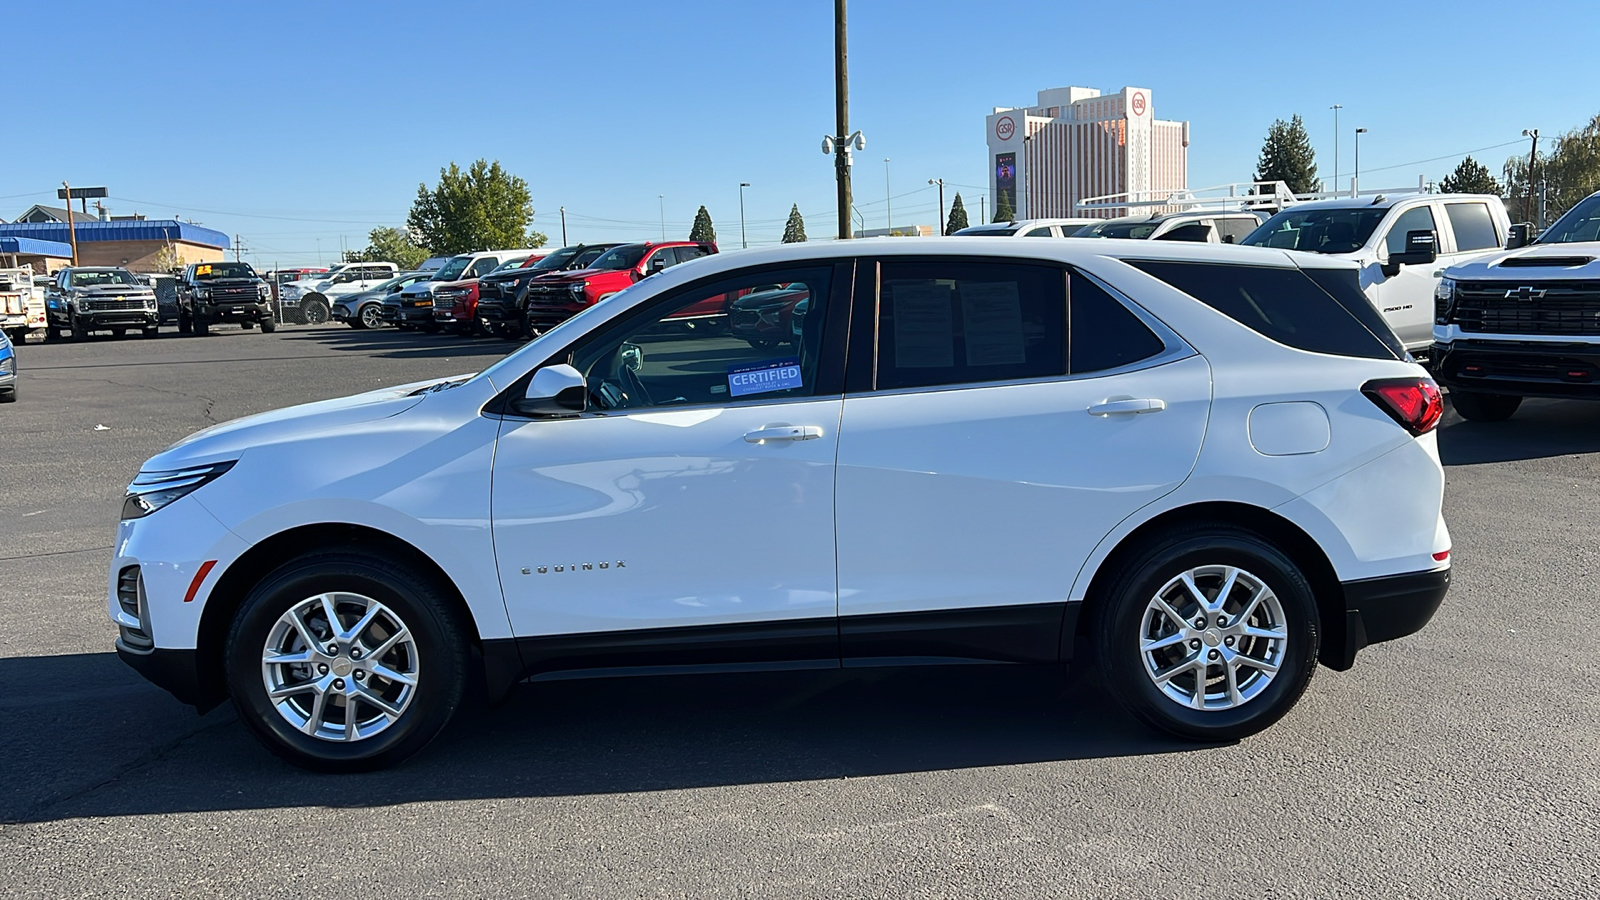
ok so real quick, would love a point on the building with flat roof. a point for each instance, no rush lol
(131, 243)
(43, 257)
(1078, 143)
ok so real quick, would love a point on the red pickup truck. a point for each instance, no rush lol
(557, 297)
(455, 303)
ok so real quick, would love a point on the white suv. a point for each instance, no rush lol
(1027, 228)
(309, 300)
(1212, 462)
(1402, 243)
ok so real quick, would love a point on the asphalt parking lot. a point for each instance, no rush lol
(1462, 760)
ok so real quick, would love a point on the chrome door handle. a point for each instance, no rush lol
(783, 433)
(1127, 407)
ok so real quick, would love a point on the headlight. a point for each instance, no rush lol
(201, 293)
(263, 292)
(1444, 297)
(576, 288)
(8, 366)
(152, 490)
(289, 292)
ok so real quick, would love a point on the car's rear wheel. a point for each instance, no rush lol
(269, 325)
(1207, 632)
(1476, 407)
(343, 662)
(314, 311)
(201, 326)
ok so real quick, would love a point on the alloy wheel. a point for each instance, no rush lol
(1213, 638)
(340, 667)
(371, 316)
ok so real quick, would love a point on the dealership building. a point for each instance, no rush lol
(1079, 143)
(133, 242)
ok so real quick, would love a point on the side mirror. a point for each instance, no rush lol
(1420, 251)
(554, 391)
(657, 265)
(1521, 236)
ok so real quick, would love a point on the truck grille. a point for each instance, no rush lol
(120, 305)
(234, 294)
(1548, 307)
(130, 597)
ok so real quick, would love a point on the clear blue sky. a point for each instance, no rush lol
(297, 124)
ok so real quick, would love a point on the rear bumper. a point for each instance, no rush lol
(1382, 609)
(1524, 369)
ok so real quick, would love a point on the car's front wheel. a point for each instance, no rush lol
(341, 662)
(1207, 632)
(1476, 407)
(370, 316)
(314, 311)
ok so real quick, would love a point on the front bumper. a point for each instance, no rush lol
(119, 317)
(499, 311)
(8, 382)
(1382, 609)
(175, 671)
(408, 315)
(1521, 368)
(235, 312)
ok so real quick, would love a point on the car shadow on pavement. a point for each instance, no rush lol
(86, 737)
(1540, 429)
(392, 343)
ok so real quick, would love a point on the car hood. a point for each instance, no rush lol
(230, 440)
(577, 275)
(1534, 262)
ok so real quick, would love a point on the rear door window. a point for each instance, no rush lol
(1102, 333)
(1285, 305)
(1473, 226)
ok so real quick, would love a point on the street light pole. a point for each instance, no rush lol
(1336, 107)
(744, 244)
(72, 228)
(662, 200)
(940, 183)
(841, 101)
(563, 226)
(1355, 179)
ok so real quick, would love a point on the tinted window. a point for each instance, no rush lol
(1235, 230)
(224, 270)
(1137, 231)
(687, 253)
(1473, 226)
(1324, 230)
(1344, 286)
(661, 359)
(1282, 304)
(625, 257)
(958, 323)
(1580, 223)
(1197, 232)
(1417, 218)
(1104, 334)
(481, 268)
(1043, 231)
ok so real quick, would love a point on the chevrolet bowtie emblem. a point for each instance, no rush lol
(1525, 293)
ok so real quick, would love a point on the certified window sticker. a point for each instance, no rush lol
(764, 377)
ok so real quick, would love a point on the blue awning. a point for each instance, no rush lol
(124, 230)
(28, 246)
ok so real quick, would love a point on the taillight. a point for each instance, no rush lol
(1413, 402)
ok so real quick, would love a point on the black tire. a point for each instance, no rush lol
(268, 326)
(1476, 407)
(151, 331)
(314, 311)
(369, 316)
(201, 326)
(441, 653)
(185, 322)
(19, 337)
(247, 325)
(52, 331)
(77, 330)
(9, 396)
(1118, 622)
(430, 327)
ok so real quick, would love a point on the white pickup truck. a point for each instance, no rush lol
(1403, 244)
(21, 304)
(310, 300)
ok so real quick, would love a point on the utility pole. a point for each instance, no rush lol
(1527, 203)
(888, 206)
(72, 228)
(983, 207)
(238, 248)
(662, 200)
(942, 223)
(743, 244)
(841, 101)
(563, 226)
(1336, 107)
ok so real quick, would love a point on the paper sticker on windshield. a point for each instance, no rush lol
(764, 377)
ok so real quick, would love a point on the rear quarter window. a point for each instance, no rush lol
(1285, 305)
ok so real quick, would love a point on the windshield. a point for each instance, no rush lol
(556, 260)
(208, 271)
(625, 257)
(1135, 230)
(453, 268)
(1581, 223)
(586, 258)
(1338, 230)
(989, 231)
(102, 278)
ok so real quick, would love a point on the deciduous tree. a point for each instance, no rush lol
(394, 245)
(1570, 172)
(482, 208)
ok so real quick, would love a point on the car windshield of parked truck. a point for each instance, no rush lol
(556, 261)
(102, 277)
(1135, 230)
(206, 271)
(453, 269)
(619, 258)
(1339, 230)
(1581, 223)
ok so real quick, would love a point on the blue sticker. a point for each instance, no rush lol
(764, 377)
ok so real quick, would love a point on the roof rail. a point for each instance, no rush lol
(1242, 195)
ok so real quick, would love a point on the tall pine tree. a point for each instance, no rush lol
(1470, 177)
(1002, 210)
(794, 230)
(1287, 157)
(702, 229)
(958, 217)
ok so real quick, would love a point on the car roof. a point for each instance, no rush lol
(1381, 201)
